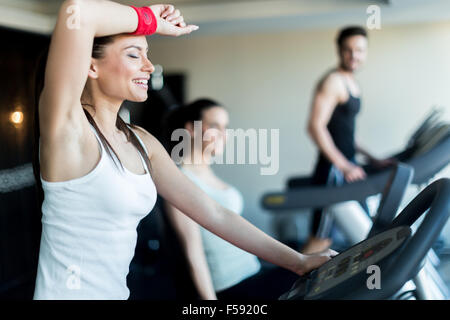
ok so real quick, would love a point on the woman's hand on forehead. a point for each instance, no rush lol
(170, 21)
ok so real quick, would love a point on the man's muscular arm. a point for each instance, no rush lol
(329, 93)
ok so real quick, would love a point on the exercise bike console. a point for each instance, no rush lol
(348, 268)
(395, 250)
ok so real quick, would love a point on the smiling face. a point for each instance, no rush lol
(353, 52)
(123, 71)
(214, 120)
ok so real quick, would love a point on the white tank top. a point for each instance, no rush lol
(89, 231)
(228, 265)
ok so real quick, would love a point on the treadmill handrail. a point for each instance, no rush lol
(425, 167)
(392, 197)
(320, 196)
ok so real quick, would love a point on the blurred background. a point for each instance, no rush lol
(261, 59)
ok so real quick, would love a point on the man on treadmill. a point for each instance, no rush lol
(331, 125)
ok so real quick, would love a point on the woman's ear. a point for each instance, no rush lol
(93, 70)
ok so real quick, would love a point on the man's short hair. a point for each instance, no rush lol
(349, 32)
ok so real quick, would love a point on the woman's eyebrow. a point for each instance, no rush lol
(137, 47)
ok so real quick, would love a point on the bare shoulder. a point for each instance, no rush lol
(151, 143)
(331, 81)
(331, 84)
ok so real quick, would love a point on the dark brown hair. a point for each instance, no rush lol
(349, 32)
(97, 52)
(191, 112)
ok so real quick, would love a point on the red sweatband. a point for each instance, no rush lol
(147, 21)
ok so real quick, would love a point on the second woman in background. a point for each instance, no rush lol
(218, 269)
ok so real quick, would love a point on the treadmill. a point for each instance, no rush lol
(427, 153)
(392, 256)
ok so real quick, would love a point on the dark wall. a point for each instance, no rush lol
(19, 216)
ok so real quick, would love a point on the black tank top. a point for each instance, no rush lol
(342, 125)
(342, 130)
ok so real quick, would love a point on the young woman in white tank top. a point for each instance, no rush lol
(100, 176)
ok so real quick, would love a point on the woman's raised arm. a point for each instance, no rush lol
(69, 58)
